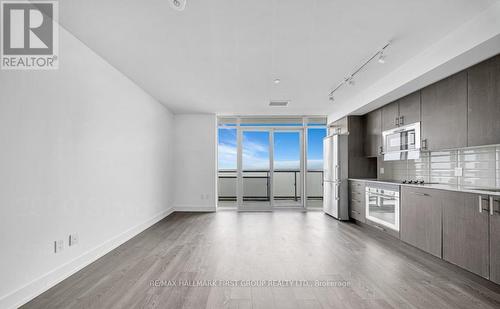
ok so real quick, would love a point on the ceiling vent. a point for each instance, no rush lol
(278, 103)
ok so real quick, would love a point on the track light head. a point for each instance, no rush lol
(381, 58)
(178, 5)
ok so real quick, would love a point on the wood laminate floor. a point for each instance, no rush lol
(370, 269)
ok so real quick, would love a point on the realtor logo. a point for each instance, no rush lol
(29, 35)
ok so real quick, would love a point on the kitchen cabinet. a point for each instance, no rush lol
(340, 126)
(421, 219)
(409, 109)
(495, 241)
(401, 112)
(390, 116)
(444, 113)
(466, 231)
(373, 142)
(484, 103)
(357, 200)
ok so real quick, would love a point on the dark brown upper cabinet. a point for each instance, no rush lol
(484, 103)
(373, 141)
(401, 112)
(390, 116)
(444, 113)
(409, 109)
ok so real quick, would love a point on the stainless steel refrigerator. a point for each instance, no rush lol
(335, 176)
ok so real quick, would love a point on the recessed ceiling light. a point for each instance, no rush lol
(277, 81)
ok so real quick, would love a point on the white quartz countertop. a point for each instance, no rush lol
(448, 187)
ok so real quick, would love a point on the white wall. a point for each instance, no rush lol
(195, 162)
(83, 150)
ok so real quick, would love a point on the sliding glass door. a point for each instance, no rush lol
(254, 170)
(270, 169)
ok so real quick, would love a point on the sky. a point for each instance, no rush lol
(256, 149)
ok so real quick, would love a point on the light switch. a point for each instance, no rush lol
(458, 172)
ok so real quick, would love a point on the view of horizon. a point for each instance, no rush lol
(255, 147)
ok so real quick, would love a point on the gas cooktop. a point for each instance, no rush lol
(418, 182)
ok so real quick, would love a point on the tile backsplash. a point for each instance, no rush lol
(479, 167)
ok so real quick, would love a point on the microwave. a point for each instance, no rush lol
(402, 139)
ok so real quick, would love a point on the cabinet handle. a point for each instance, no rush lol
(402, 120)
(493, 206)
(424, 144)
(492, 212)
(421, 194)
(397, 121)
(481, 198)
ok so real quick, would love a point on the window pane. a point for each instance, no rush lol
(227, 149)
(315, 167)
(315, 148)
(255, 148)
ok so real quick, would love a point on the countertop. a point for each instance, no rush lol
(448, 187)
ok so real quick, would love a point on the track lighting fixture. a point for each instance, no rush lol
(350, 79)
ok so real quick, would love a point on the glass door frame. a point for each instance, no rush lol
(239, 170)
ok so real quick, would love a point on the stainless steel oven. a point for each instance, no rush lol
(402, 139)
(382, 204)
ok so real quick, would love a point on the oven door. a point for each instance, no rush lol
(382, 207)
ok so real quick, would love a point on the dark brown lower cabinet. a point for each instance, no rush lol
(357, 200)
(421, 219)
(495, 241)
(466, 231)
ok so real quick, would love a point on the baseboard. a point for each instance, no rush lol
(42, 284)
(190, 208)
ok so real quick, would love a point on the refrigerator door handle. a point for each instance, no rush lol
(337, 191)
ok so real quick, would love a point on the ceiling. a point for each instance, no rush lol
(222, 56)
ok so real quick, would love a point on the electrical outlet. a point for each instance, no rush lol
(382, 170)
(73, 239)
(58, 245)
(458, 172)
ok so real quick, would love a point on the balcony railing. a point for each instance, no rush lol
(257, 186)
